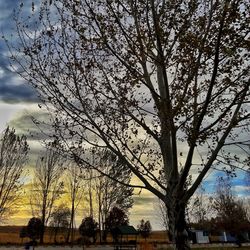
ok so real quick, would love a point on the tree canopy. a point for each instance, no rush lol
(34, 228)
(164, 85)
(116, 217)
(88, 228)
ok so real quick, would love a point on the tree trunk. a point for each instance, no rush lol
(178, 227)
(42, 232)
(90, 203)
(99, 218)
(43, 221)
(90, 195)
(55, 235)
(70, 236)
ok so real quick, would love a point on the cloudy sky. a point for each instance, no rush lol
(15, 95)
(18, 103)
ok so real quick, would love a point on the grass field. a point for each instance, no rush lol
(10, 240)
(10, 235)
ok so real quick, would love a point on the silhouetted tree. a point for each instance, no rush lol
(74, 185)
(109, 192)
(88, 228)
(60, 220)
(144, 228)
(47, 184)
(116, 217)
(34, 229)
(23, 233)
(231, 212)
(13, 156)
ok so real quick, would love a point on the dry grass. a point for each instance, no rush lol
(9, 235)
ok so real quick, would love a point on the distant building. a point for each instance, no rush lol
(199, 236)
(124, 237)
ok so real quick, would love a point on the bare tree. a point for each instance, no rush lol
(231, 212)
(60, 220)
(109, 192)
(144, 228)
(13, 156)
(74, 185)
(200, 207)
(90, 189)
(47, 185)
(164, 85)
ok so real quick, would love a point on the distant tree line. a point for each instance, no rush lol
(222, 211)
(55, 176)
(84, 190)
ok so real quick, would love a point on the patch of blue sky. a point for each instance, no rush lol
(239, 185)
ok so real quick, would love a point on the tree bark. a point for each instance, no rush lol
(42, 234)
(55, 235)
(43, 227)
(178, 227)
(70, 236)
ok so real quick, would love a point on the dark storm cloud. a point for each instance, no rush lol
(35, 134)
(12, 93)
(24, 125)
(12, 88)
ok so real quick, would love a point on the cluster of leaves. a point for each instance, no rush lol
(117, 217)
(89, 228)
(60, 217)
(34, 228)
